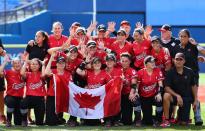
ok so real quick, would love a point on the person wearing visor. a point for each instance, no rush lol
(129, 81)
(96, 77)
(121, 45)
(114, 72)
(180, 89)
(161, 54)
(149, 92)
(141, 48)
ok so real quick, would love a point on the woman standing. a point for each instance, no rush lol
(64, 77)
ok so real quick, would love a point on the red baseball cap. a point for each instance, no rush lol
(125, 22)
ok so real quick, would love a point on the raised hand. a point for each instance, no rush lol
(111, 26)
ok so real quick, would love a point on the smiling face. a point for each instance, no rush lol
(34, 65)
(97, 65)
(126, 27)
(183, 37)
(57, 29)
(166, 35)
(39, 38)
(150, 65)
(156, 45)
(16, 64)
(125, 62)
(179, 62)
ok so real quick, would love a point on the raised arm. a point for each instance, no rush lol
(48, 71)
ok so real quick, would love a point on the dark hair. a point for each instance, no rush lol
(185, 31)
(45, 35)
(39, 62)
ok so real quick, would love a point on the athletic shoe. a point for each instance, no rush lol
(165, 123)
(8, 123)
(24, 123)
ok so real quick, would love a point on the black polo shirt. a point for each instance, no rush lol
(171, 45)
(37, 52)
(181, 83)
(191, 56)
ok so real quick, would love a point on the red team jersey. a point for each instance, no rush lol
(35, 85)
(129, 74)
(15, 84)
(65, 78)
(116, 72)
(71, 66)
(148, 84)
(141, 50)
(107, 41)
(53, 42)
(95, 81)
(162, 58)
(116, 48)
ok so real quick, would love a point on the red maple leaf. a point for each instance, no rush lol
(87, 101)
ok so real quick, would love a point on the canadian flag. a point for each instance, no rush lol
(95, 103)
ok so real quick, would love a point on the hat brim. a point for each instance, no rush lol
(162, 30)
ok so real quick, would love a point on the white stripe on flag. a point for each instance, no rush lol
(86, 113)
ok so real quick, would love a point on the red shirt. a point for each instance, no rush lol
(163, 58)
(65, 78)
(116, 48)
(75, 41)
(148, 84)
(100, 54)
(141, 50)
(15, 84)
(35, 85)
(96, 80)
(72, 65)
(53, 42)
(107, 41)
(115, 72)
(129, 74)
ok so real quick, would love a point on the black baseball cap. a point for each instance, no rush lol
(96, 59)
(60, 59)
(139, 30)
(121, 31)
(149, 59)
(110, 57)
(80, 29)
(165, 27)
(126, 54)
(155, 38)
(91, 43)
(101, 28)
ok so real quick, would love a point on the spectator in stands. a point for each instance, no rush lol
(14, 90)
(35, 91)
(2, 88)
(191, 60)
(180, 89)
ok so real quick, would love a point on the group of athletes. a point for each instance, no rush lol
(161, 71)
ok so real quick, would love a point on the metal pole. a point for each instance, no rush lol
(94, 14)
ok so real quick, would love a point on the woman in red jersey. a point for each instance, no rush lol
(161, 54)
(14, 90)
(141, 48)
(64, 77)
(150, 89)
(35, 91)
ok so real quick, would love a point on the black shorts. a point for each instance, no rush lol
(2, 84)
(184, 111)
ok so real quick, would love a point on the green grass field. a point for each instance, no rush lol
(130, 128)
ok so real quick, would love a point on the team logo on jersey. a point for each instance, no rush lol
(149, 88)
(173, 44)
(18, 86)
